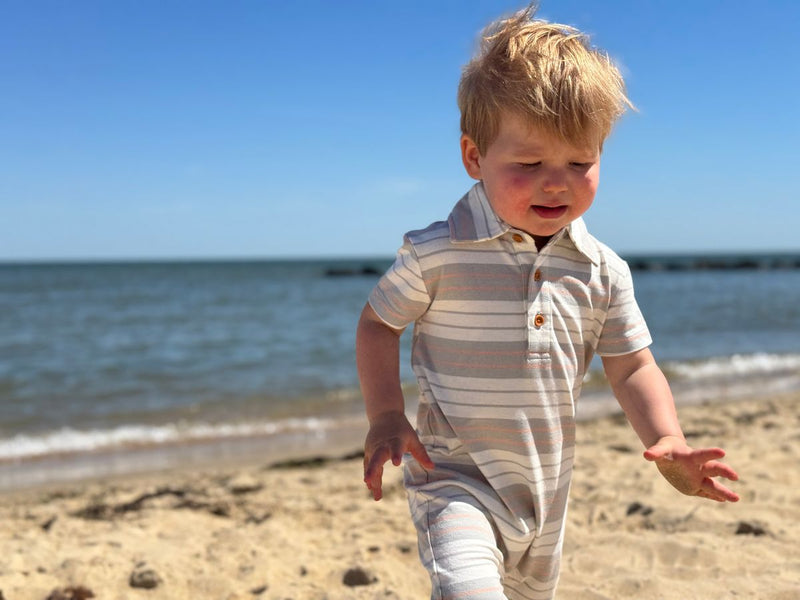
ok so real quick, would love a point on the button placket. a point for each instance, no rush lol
(539, 325)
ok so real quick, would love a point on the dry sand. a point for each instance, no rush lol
(311, 531)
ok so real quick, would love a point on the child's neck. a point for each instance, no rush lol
(541, 241)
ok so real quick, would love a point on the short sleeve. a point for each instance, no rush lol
(624, 330)
(401, 297)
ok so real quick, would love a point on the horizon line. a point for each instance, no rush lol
(652, 254)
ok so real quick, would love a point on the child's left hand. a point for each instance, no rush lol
(690, 471)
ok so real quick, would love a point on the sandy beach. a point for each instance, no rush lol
(311, 531)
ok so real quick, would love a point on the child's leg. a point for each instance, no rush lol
(458, 547)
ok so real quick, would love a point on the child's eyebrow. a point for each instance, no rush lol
(528, 148)
(538, 150)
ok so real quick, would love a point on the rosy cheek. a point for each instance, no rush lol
(518, 181)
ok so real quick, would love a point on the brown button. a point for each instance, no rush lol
(538, 320)
(517, 238)
(537, 275)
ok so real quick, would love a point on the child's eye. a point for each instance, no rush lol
(529, 165)
(581, 165)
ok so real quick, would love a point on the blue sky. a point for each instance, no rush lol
(166, 129)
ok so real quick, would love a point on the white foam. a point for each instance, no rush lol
(737, 365)
(69, 440)
(737, 371)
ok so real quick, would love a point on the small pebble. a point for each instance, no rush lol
(144, 578)
(638, 508)
(358, 576)
(70, 593)
(259, 590)
(746, 528)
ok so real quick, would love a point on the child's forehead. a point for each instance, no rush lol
(529, 135)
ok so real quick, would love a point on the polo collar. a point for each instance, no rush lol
(473, 220)
(583, 241)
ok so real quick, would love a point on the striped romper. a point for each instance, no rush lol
(503, 335)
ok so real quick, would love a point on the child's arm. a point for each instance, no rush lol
(644, 395)
(390, 434)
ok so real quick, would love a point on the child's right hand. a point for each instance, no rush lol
(390, 436)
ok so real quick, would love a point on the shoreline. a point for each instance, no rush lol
(308, 529)
(343, 436)
(75, 468)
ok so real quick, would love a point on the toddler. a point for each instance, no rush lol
(510, 298)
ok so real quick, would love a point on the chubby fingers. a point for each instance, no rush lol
(373, 470)
(704, 455)
(715, 468)
(393, 450)
(704, 458)
(713, 490)
(374, 461)
(710, 467)
(667, 448)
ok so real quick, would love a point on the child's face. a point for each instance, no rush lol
(534, 181)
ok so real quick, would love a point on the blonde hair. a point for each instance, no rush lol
(546, 73)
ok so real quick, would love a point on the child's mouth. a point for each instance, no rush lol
(549, 212)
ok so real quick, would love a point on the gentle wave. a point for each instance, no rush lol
(72, 441)
(737, 365)
(746, 373)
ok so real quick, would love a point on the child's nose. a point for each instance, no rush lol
(554, 181)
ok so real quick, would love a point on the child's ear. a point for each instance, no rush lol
(471, 157)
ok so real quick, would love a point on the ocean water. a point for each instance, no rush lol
(107, 366)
